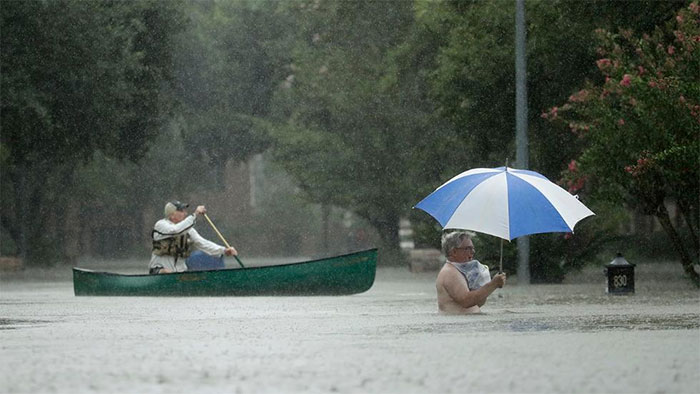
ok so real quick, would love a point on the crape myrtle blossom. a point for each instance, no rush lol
(643, 164)
(573, 180)
(639, 130)
(579, 97)
(626, 80)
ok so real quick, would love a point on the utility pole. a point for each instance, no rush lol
(521, 154)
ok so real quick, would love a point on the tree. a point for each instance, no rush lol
(473, 81)
(227, 71)
(473, 86)
(77, 77)
(639, 130)
(430, 86)
(341, 127)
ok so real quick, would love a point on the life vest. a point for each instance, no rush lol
(177, 246)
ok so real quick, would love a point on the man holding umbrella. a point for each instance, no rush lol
(504, 202)
(463, 284)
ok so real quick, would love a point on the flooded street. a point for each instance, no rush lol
(136, 133)
(541, 338)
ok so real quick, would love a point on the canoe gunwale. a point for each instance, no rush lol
(346, 274)
(227, 269)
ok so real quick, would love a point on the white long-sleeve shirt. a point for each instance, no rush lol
(164, 228)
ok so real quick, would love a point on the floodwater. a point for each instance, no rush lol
(568, 338)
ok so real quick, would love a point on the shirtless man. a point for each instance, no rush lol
(453, 289)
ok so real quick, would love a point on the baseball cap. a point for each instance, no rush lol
(172, 206)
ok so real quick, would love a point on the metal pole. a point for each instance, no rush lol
(521, 142)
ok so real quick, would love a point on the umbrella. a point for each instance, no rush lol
(505, 202)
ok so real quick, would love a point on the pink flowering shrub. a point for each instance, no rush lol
(639, 128)
(626, 80)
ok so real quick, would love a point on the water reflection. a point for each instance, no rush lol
(13, 324)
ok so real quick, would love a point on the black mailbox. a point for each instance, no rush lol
(620, 276)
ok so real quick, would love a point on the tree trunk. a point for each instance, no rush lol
(21, 201)
(36, 237)
(72, 229)
(389, 249)
(325, 227)
(10, 215)
(59, 207)
(686, 260)
(688, 217)
(36, 240)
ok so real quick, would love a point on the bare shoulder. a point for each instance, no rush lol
(443, 271)
(447, 270)
(452, 279)
(447, 274)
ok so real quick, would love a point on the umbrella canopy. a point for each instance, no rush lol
(504, 202)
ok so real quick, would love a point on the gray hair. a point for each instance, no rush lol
(453, 240)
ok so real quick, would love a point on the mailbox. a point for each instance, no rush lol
(620, 275)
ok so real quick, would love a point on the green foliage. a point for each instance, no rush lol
(283, 222)
(115, 188)
(473, 81)
(227, 70)
(387, 104)
(345, 135)
(473, 85)
(369, 105)
(78, 76)
(553, 255)
(639, 130)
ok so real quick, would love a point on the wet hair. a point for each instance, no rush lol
(453, 240)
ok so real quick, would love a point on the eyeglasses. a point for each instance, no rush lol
(467, 248)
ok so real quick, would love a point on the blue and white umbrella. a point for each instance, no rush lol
(504, 202)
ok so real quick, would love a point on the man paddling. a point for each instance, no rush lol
(463, 284)
(174, 238)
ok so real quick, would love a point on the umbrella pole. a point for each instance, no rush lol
(500, 267)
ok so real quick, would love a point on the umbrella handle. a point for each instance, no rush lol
(222, 238)
(500, 266)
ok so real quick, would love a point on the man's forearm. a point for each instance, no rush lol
(477, 297)
(484, 292)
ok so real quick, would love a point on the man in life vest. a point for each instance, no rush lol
(174, 238)
(463, 284)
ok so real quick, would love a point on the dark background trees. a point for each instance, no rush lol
(638, 129)
(77, 77)
(473, 85)
(226, 74)
(365, 106)
(342, 131)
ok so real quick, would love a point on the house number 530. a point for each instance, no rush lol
(620, 280)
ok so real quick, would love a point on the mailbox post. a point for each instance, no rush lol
(620, 275)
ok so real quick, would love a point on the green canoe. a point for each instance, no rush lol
(347, 274)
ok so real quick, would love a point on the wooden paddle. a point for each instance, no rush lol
(222, 238)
